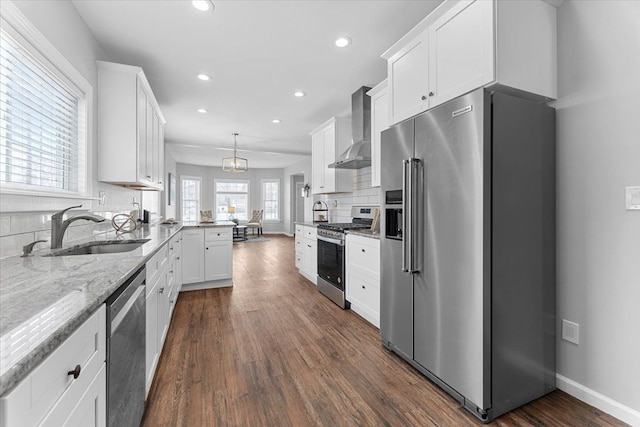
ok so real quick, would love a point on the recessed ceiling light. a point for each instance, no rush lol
(203, 5)
(204, 77)
(202, 110)
(343, 42)
(276, 121)
(299, 94)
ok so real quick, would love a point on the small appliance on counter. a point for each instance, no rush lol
(320, 212)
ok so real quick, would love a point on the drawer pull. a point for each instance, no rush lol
(161, 291)
(75, 372)
(218, 234)
(363, 287)
(171, 271)
(363, 250)
(178, 257)
(308, 246)
(207, 248)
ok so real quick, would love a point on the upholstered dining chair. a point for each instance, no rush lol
(255, 223)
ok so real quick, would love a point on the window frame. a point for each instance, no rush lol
(248, 193)
(36, 45)
(182, 199)
(279, 200)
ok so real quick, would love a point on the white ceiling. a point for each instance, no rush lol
(259, 53)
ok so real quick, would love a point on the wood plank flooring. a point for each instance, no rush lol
(272, 351)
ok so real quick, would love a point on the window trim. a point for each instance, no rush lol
(215, 194)
(24, 32)
(270, 180)
(191, 178)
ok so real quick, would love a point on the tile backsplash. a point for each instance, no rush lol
(363, 195)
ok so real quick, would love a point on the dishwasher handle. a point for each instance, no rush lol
(122, 300)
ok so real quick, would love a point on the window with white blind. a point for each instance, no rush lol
(190, 197)
(43, 120)
(271, 199)
(232, 199)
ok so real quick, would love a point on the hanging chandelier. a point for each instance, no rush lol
(235, 163)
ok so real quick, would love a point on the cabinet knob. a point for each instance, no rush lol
(218, 234)
(363, 287)
(308, 246)
(423, 97)
(148, 176)
(178, 258)
(431, 93)
(75, 372)
(160, 182)
(363, 250)
(171, 271)
(161, 290)
(207, 248)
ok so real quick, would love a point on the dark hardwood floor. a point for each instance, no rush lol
(272, 351)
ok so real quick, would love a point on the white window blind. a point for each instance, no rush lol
(41, 122)
(271, 199)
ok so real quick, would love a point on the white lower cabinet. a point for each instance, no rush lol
(307, 252)
(49, 396)
(363, 277)
(207, 257)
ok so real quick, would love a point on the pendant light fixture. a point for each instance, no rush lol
(235, 163)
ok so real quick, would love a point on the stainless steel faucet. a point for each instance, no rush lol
(58, 226)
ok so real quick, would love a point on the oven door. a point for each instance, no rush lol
(331, 261)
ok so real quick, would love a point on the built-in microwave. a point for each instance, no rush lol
(393, 214)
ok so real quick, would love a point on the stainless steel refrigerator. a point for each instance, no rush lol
(468, 248)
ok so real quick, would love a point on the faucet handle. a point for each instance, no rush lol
(59, 214)
(27, 249)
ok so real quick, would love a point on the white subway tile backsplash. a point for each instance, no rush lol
(5, 225)
(12, 244)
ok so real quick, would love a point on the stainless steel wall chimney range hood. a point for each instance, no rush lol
(358, 155)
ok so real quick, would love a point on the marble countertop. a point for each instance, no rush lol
(365, 233)
(44, 299)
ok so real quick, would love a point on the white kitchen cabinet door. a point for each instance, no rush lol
(163, 310)
(408, 72)
(461, 50)
(192, 256)
(363, 276)
(129, 128)
(379, 122)
(317, 166)
(328, 141)
(310, 257)
(218, 258)
(152, 352)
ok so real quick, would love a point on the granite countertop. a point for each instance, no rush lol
(365, 233)
(44, 299)
(309, 224)
(214, 224)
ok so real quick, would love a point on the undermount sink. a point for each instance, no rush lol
(104, 247)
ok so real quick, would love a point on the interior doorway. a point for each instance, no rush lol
(297, 201)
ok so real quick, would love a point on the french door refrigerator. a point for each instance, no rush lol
(468, 248)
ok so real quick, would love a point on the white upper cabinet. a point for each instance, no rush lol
(408, 72)
(461, 54)
(379, 122)
(130, 128)
(509, 46)
(328, 141)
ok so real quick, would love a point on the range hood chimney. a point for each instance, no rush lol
(358, 155)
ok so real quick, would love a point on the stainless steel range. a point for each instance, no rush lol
(331, 254)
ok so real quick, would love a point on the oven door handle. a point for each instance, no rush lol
(330, 240)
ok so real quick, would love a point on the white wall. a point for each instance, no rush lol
(209, 174)
(598, 128)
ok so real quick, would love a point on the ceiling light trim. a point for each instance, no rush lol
(204, 5)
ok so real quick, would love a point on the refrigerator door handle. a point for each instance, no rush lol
(414, 179)
(406, 213)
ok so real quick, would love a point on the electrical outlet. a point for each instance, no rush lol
(632, 198)
(102, 196)
(570, 331)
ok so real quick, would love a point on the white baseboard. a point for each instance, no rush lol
(600, 401)
(213, 284)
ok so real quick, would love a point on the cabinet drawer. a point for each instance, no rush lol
(49, 384)
(365, 291)
(218, 234)
(156, 263)
(364, 253)
(310, 233)
(175, 244)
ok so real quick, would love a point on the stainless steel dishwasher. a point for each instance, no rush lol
(126, 328)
